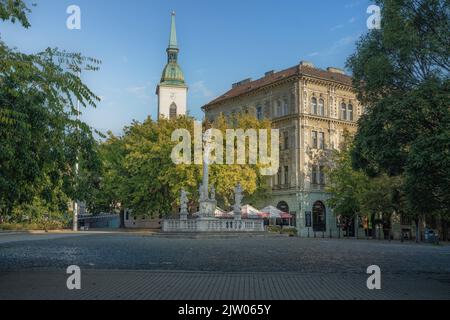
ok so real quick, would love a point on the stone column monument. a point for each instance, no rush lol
(238, 202)
(207, 205)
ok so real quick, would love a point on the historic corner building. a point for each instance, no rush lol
(172, 89)
(312, 108)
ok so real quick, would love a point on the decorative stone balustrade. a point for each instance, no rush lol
(213, 225)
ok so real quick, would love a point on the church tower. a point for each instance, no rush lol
(172, 90)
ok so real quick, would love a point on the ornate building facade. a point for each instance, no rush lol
(172, 89)
(312, 108)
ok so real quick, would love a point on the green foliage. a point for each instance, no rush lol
(292, 232)
(14, 10)
(401, 74)
(345, 185)
(40, 136)
(353, 193)
(226, 177)
(274, 229)
(138, 172)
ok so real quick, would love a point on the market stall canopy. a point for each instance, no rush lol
(250, 212)
(285, 215)
(271, 212)
(220, 213)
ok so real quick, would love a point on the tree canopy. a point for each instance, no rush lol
(401, 74)
(41, 138)
(139, 173)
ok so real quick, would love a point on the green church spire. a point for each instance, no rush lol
(173, 33)
(172, 74)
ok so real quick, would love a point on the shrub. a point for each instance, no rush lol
(292, 232)
(275, 229)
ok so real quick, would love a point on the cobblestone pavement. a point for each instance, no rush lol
(139, 266)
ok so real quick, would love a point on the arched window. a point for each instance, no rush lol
(314, 105)
(343, 111)
(283, 206)
(173, 111)
(319, 217)
(350, 112)
(259, 113)
(321, 107)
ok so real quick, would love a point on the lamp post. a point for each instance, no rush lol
(75, 206)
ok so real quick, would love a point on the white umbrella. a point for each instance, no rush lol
(272, 212)
(250, 212)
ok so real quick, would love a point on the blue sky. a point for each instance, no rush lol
(221, 42)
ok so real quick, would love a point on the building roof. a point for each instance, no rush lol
(248, 86)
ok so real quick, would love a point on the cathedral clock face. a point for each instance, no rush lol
(172, 95)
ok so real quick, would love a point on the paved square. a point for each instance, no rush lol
(144, 266)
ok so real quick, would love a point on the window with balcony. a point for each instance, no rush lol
(314, 140)
(350, 112)
(314, 105)
(321, 107)
(279, 109)
(314, 175)
(343, 111)
(321, 141)
(322, 175)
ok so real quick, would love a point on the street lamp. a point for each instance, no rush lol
(75, 207)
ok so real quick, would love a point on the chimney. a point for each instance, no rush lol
(240, 83)
(306, 64)
(269, 73)
(335, 70)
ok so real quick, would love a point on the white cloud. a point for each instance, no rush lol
(140, 92)
(137, 89)
(339, 26)
(353, 4)
(199, 88)
(343, 42)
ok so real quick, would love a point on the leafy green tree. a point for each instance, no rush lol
(40, 136)
(401, 74)
(346, 186)
(355, 194)
(14, 10)
(138, 172)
